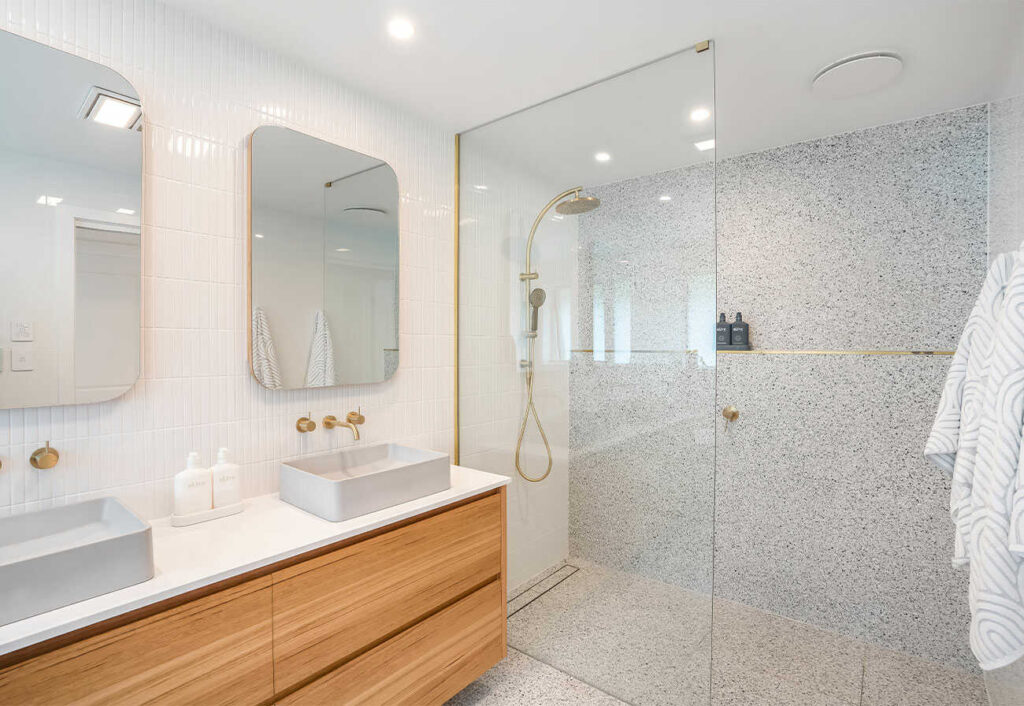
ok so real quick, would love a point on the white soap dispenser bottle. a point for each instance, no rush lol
(226, 483)
(193, 488)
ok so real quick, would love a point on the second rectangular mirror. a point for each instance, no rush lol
(324, 259)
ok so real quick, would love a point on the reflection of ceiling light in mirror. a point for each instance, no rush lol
(126, 211)
(467, 221)
(257, 235)
(49, 200)
(480, 187)
(401, 28)
(557, 217)
(602, 156)
(342, 250)
(705, 145)
(109, 108)
(664, 198)
(699, 115)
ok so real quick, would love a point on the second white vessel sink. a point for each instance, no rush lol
(58, 556)
(362, 479)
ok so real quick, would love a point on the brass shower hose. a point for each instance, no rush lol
(531, 409)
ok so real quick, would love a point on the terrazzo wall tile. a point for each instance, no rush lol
(203, 91)
(1006, 180)
(826, 511)
(869, 240)
(641, 441)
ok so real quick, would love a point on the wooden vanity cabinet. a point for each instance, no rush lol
(214, 650)
(410, 613)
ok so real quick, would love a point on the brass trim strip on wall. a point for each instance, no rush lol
(455, 248)
(813, 352)
(633, 350)
(772, 352)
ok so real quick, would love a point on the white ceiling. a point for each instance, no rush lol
(42, 99)
(473, 61)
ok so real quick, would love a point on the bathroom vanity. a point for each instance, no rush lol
(403, 605)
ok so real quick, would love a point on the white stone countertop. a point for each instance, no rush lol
(267, 531)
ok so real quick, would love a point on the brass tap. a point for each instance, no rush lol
(45, 457)
(352, 420)
(305, 424)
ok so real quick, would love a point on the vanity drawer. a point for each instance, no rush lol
(427, 664)
(214, 650)
(332, 607)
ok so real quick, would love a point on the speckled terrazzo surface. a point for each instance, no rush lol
(826, 511)
(1006, 178)
(869, 240)
(827, 514)
(600, 636)
(652, 517)
(520, 680)
(646, 292)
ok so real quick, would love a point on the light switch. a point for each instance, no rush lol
(22, 331)
(22, 358)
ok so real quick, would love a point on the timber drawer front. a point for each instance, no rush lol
(329, 608)
(215, 650)
(407, 614)
(426, 664)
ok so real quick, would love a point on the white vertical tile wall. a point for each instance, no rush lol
(495, 223)
(203, 92)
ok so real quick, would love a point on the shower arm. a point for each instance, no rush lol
(530, 274)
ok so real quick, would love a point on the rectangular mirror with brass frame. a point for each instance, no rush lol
(70, 236)
(323, 248)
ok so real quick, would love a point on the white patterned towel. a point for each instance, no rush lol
(320, 368)
(983, 444)
(953, 442)
(264, 357)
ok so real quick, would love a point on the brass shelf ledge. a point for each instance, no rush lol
(817, 352)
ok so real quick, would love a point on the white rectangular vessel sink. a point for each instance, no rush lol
(352, 482)
(55, 557)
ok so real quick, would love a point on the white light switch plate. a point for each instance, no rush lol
(22, 331)
(22, 358)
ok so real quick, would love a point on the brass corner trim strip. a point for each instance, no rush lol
(702, 46)
(455, 248)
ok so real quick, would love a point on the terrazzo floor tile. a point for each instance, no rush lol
(763, 648)
(1006, 685)
(520, 680)
(895, 679)
(641, 640)
(734, 685)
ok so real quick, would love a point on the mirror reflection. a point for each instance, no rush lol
(70, 246)
(324, 244)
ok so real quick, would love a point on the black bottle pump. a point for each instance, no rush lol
(740, 331)
(723, 331)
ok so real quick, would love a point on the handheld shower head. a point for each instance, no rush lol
(537, 298)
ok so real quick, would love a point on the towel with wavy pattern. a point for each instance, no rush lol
(320, 367)
(977, 438)
(264, 356)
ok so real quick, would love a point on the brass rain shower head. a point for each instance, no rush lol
(578, 205)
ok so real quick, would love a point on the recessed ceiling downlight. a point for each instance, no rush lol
(857, 74)
(401, 28)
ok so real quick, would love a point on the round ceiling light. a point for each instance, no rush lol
(858, 74)
(401, 28)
